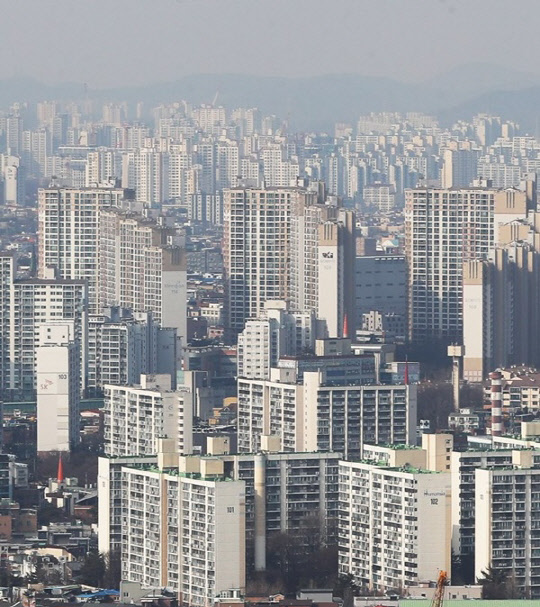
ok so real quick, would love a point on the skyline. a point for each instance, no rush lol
(137, 42)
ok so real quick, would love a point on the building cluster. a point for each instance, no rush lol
(238, 296)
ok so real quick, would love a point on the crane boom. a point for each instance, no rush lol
(438, 597)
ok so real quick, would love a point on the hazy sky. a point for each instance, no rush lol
(120, 42)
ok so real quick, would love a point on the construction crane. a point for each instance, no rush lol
(438, 597)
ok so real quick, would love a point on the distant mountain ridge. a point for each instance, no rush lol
(316, 103)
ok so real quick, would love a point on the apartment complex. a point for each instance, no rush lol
(444, 229)
(137, 416)
(68, 220)
(394, 525)
(294, 493)
(27, 305)
(142, 266)
(319, 414)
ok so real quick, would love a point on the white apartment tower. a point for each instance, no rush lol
(394, 525)
(196, 544)
(137, 416)
(443, 229)
(276, 333)
(58, 388)
(27, 305)
(507, 522)
(256, 244)
(68, 221)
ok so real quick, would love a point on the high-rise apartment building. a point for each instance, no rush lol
(146, 170)
(507, 522)
(27, 305)
(68, 221)
(443, 229)
(501, 320)
(295, 493)
(276, 333)
(142, 267)
(137, 416)
(187, 535)
(394, 525)
(322, 252)
(58, 369)
(122, 345)
(320, 413)
(464, 465)
(256, 243)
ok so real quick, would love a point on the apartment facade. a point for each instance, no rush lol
(317, 415)
(256, 249)
(186, 533)
(137, 416)
(507, 525)
(27, 305)
(142, 266)
(68, 220)
(394, 525)
(444, 229)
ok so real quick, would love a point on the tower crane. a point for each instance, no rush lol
(438, 597)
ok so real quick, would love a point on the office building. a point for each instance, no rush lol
(137, 416)
(381, 286)
(58, 372)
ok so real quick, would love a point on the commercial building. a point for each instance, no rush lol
(381, 286)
